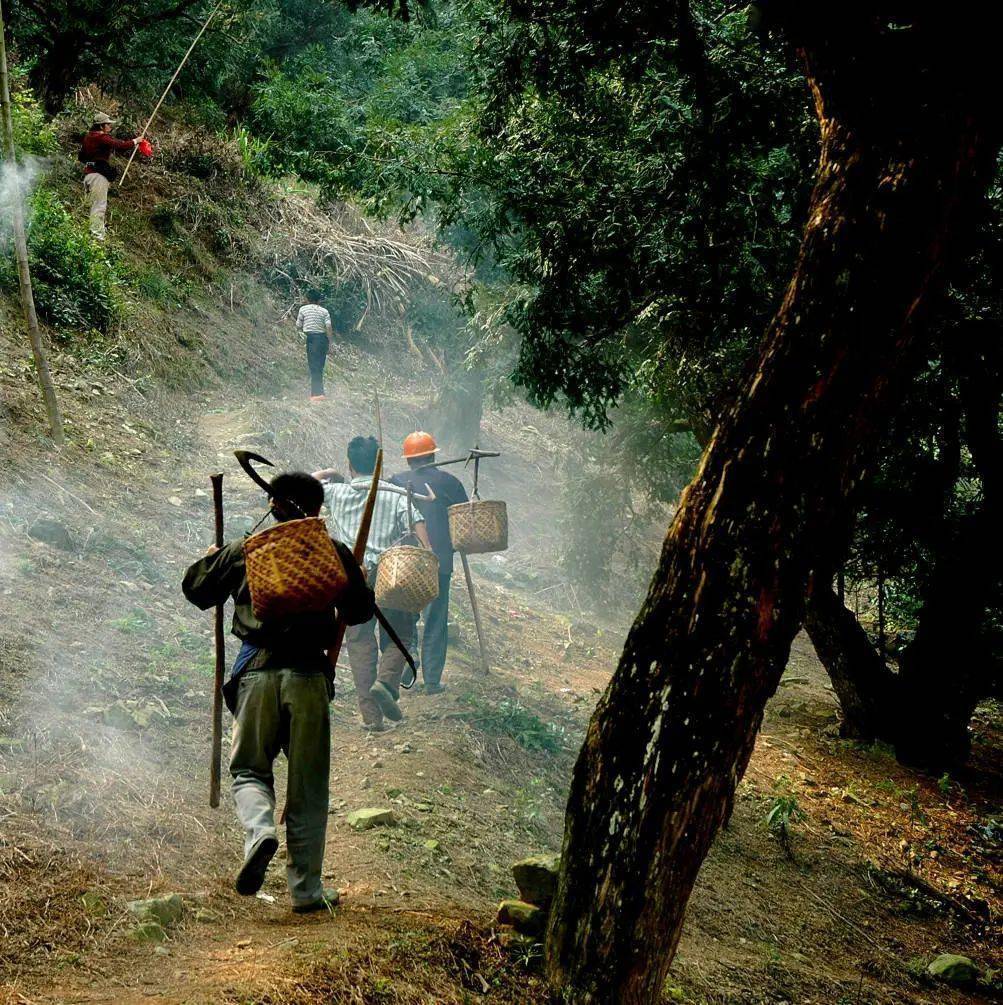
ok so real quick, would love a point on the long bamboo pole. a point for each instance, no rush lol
(170, 84)
(21, 253)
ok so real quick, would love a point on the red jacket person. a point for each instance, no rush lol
(97, 147)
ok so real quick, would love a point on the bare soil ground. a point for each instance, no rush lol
(105, 676)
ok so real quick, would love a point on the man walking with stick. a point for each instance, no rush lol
(420, 450)
(278, 692)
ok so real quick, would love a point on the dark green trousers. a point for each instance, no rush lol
(284, 710)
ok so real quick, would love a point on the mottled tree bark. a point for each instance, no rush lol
(908, 141)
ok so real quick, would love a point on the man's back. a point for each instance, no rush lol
(448, 491)
(346, 502)
(313, 318)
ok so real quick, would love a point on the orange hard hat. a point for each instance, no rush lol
(419, 444)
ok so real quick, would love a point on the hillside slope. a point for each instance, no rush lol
(104, 706)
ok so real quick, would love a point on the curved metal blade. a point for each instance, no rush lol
(244, 458)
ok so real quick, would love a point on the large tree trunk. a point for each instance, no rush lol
(864, 685)
(948, 668)
(925, 709)
(907, 146)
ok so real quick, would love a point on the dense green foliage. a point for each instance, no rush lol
(628, 194)
(76, 283)
(648, 194)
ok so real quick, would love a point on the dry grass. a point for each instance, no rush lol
(382, 260)
(413, 966)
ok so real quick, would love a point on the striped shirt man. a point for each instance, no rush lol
(313, 319)
(346, 502)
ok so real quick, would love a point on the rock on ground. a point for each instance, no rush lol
(953, 969)
(364, 820)
(165, 911)
(155, 916)
(536, 878)
(51, 532)
(525, 918)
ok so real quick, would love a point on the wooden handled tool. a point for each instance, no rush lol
(477, 612)
(215, 765)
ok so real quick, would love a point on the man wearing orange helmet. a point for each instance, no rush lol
(419, 451)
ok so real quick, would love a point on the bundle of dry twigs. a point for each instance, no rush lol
(380, 259)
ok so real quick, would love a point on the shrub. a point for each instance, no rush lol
(76, 282)
(33, 131)
(512, 719)
(783, 814)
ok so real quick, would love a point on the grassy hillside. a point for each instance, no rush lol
(105, 672)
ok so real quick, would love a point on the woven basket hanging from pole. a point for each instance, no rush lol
(293, 568)
(407, 579)
(479, 526)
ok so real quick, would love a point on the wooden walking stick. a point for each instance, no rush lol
(215, 765)
(476, 455)
(476, 610)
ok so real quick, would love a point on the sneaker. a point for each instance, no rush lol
(387, 702)
(327, 901)
(318, 397)
(435, 688)
(252, 872)
(374, 727)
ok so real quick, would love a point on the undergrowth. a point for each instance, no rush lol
(512, 719)
(77, 284)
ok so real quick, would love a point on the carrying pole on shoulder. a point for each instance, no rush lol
(215, 765)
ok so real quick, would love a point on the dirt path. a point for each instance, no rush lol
(103, 746)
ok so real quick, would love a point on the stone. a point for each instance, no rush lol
(508, 938)
(953, 969)
(148, 931)
(536, 878)
(53, 533)
(523, 917)
(366, 819)
(403, 748)
(163, 911)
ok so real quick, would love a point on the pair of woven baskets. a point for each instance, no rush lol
(407, 579)
(479, 526)
(293, 568)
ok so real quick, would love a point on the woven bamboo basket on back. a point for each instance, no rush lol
(293, 568)
(407, 579)
(479, 526)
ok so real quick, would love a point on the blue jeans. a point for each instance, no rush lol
(317, 346)
(435, 634)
